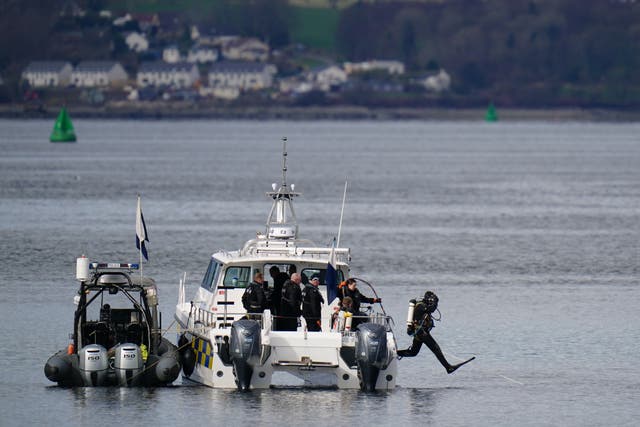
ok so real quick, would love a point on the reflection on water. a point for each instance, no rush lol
(528, 233)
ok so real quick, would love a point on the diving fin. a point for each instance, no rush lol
(451, 369)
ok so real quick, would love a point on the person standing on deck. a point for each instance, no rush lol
(290, 305)
(254, 299)
(312, 301)
(279, 277)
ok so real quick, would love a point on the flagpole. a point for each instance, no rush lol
(344, 197)
(141, 243)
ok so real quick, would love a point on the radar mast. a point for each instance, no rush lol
(282, 223)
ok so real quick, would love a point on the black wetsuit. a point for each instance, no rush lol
(312, 302)
(290, 307)
(422, 324)
(254, 299)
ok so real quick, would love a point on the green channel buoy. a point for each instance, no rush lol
(63, 128)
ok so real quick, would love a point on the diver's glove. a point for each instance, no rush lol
(410, 330)
(413, 301)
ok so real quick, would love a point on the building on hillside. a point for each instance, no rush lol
(48, 73)
(327, 77)
(243, 75)
(202, 54)
(121, 21)
(245, 49)
(137, 42)
(171, 54)
(99, 74)
(160, 74)
(438, 82)
(295, 85)
(390, 66)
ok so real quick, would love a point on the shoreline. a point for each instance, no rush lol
(182, 111)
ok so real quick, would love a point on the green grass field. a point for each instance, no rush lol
(314, 28)
(153, 6)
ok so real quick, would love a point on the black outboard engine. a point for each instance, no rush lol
(128, 365)
(93, 365)
(371, 354)
(244, 348)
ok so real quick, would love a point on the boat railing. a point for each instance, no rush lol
(205, 319)
(297, 247)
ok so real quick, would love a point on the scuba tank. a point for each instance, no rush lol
(348, 319)
(412, 307)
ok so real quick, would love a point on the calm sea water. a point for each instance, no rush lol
(528, 232)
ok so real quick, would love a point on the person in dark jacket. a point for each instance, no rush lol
(312, 301)
(254, 299)
(290, 305)
(350, 289)
(279, 277)
(419, 329)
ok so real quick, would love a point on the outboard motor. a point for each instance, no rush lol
(93, 365)
(128, 365)
(244, 348)
(371, 354)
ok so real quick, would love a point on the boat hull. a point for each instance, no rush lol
(287, 359)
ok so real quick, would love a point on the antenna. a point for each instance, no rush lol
(344, 197)
(284, 162)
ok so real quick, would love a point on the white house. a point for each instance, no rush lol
(328, 76)
(245, 49)
(120, 21)
(202, 54)
(179, 75)
(136, 42)
(99, 74)
(295, 85)
(171, 54)
(243, 75)
(391, 67)
(437, 82)
(48, 73)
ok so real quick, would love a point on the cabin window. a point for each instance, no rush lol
(242, 274)
(308, 273)
(209, 277)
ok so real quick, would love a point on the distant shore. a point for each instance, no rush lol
(183, 110)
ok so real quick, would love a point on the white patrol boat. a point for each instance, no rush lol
(222, 347)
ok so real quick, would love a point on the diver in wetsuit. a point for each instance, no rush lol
(420, 327)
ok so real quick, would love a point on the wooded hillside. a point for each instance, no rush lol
(516, 52)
